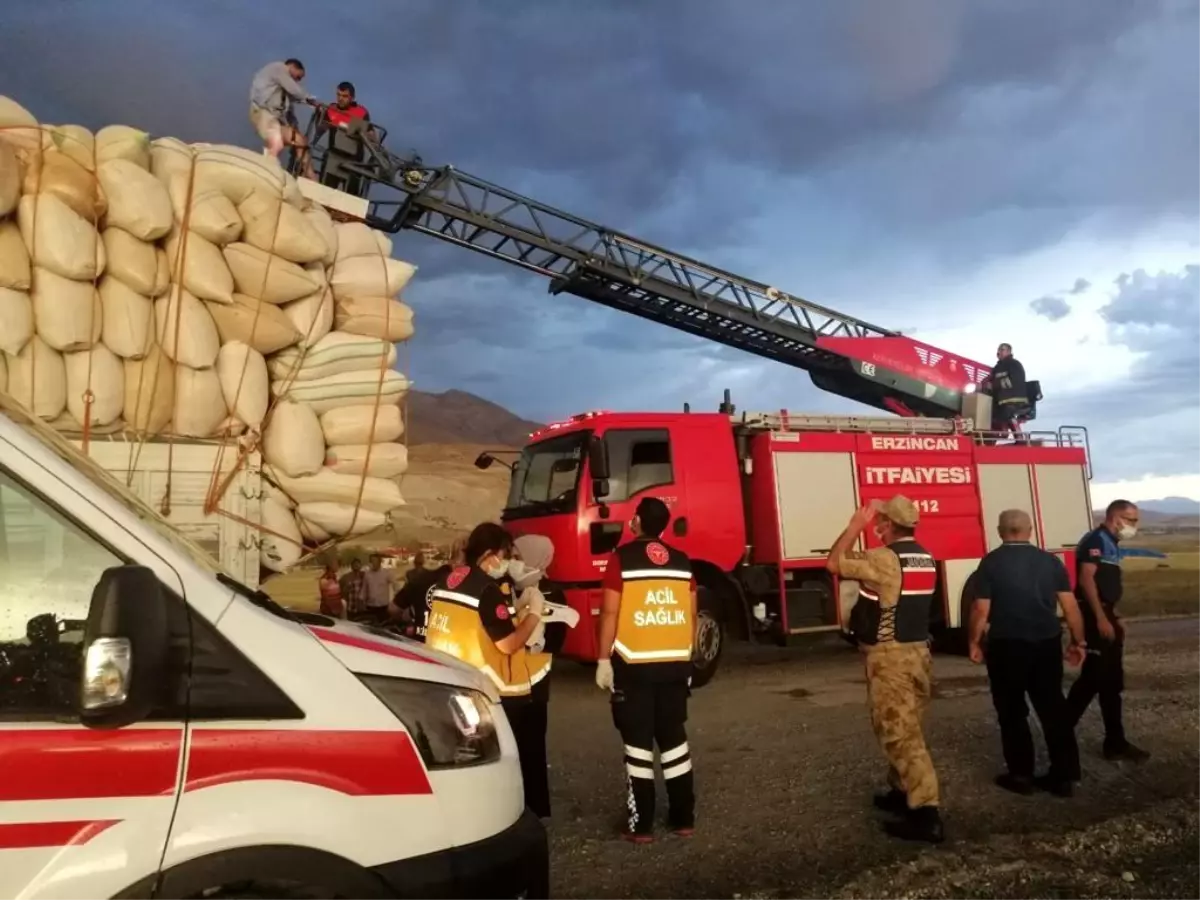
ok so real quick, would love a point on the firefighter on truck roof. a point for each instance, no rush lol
(471, 617)
(647, 631)
(891, 621)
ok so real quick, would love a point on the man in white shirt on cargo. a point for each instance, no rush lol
(379, 588)
(276, 86)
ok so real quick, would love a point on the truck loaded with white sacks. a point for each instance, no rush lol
(204, 331)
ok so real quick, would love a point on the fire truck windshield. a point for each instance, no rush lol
(545, 479)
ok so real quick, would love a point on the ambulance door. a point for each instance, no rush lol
(84, 812)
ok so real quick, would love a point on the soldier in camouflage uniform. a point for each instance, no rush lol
(891, 621)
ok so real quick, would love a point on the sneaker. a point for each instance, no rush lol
(1126, 753)
(894, 801)
(921, 824)
(1018, 784)
(637, 837)
(685, 832)
(1055, 786)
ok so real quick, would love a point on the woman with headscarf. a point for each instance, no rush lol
(532, 555)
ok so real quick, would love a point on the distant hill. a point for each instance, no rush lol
(1172, 506)
(1169, 513)
(458, 417)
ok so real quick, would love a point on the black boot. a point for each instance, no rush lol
(1018, 784)
(921, 824)
(894, 801)
(1125, 752)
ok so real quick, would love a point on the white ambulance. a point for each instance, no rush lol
(168, 732)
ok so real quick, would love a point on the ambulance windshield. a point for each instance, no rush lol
(546, 477)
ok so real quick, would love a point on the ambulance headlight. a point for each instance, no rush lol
(451, 726)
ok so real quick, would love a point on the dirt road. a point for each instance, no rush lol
(786, 764)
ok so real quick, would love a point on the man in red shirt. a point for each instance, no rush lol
(346, 109)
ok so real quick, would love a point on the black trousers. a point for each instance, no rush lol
(1103, 675)
(1033, 669)
(528, 718)
(649, 713)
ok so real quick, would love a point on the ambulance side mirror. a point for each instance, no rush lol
(125, 646)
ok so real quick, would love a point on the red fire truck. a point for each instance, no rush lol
(757, 500)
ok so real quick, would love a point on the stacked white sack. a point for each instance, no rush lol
(189, 288)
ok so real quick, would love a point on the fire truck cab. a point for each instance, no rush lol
(758, 500)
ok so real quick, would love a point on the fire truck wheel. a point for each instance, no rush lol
(710, 640)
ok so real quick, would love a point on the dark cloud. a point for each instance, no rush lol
(1080, 286)
(1051, 307)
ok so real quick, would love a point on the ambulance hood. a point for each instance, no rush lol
(366, 650)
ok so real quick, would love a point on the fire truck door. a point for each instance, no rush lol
(640, 465)
(816, 493)
(1004, 487)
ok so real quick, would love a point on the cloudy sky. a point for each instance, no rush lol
(966, 172)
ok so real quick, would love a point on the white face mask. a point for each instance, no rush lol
(498, 570)
(519, 572)
(1126, 532)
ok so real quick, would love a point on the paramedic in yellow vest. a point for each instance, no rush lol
(471, 617)
(647, 631)
(891, 622)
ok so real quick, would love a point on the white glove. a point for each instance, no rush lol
(604, 675)
(535, 600)
(537, 640)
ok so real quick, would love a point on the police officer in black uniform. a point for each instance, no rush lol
(647, 632)
(1098, 587)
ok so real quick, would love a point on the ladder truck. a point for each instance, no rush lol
(757, 499)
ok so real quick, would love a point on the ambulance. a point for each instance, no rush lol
(166, 731)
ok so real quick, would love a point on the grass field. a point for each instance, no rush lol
(1153, 587)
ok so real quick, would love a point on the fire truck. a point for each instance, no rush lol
(757, 499)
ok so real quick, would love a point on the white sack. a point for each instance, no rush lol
(18, 127)
(272, 279)
(137, 201)
(3, 375)
(199, 403)
(125, 143)
(16, 320)
(198, 265)
(128, 319)
(66, 314)
(357, 239)
(312, 534)
(10, 179)
(260, 325)
(75, 142)
(292, 440)
(210, 213)
(237, 172)
(170, 156)
(60, 176)
(58, 238)
(139, 264)
(37, 379)
(100, 371)
(15, 271)
(337, 519)
(378, 317)
(319, 218)
(149, 392)
(378, 494)
(280, 228)
(334, 354)
(387, 460)
(244, 383)
(369, 276)
(346, 389)
(312, 316)
(270, 492)
(185, 330)
(281, 544)
(353, 425)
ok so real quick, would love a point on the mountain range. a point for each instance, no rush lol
(458, 417)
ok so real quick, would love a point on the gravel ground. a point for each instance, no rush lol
(786, 763)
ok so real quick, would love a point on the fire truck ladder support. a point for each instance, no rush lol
(621, 272)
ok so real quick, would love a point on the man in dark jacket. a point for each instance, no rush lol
(1010, 396)
(1018, 589)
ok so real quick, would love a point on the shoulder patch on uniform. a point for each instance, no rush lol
(505, 589)
(457, 577)
(657, 554)
(502, 611)
(1094, 551)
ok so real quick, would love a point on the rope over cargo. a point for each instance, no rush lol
(217, 297)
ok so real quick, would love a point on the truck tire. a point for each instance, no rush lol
(710, 638)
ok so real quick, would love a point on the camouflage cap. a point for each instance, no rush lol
(902, 511)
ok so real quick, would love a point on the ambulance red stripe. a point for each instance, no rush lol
(87, 764)
(31, 835)
(358, 763)
(348, 640)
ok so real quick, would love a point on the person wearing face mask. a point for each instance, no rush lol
(647, 632)
(532, 557)
(891, 621)
(1098, 587)
(471, 618)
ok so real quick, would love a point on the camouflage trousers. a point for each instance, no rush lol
(899, 683)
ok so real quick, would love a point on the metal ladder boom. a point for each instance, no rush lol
(784, 421)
